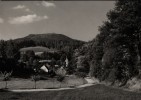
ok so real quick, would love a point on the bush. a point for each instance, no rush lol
(81, 74)
(60, 78)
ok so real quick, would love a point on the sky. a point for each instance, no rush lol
(76, 19)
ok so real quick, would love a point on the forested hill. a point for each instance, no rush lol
(50, 40)
(47, 37)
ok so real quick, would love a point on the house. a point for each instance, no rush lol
(44, 68)
(47, 70)
(66, 62)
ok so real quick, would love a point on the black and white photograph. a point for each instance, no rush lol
(70, 50)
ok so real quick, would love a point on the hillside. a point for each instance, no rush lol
(50, 40)
(48, 37)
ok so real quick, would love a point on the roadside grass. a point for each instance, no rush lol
(96, 92)
(19, 83)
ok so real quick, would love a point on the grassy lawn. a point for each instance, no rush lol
(19, 83)
(96, 92)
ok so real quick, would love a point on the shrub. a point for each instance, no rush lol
(81, 74)
(61, 72)
(60, 78)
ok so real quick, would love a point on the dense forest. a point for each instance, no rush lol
(114, 54)
(50, 40)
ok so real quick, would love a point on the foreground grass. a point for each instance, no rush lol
(96, 92)
(19, 83)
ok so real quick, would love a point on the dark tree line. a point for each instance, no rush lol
(11, 47)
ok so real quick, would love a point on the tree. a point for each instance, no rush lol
(124, 37)
(126, 19)
(35, 78)
(72, 66)
(3, 49)
(63, 57)
(61, 72)
(6, 77)
(118, 45)
(53, 62)
(11, 49)
(35, 63)
(30, 53)
(23, 58)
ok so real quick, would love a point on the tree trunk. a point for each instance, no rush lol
(60, 84)
(5, 84)
(139, 48)
(139, 52)
(35, 84)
